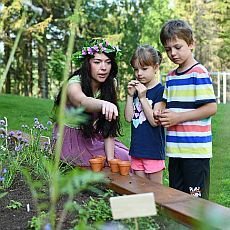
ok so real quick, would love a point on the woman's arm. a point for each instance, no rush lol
(78, 98)
(109, 148)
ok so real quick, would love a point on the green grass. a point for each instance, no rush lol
(22, 110)
(220, 163)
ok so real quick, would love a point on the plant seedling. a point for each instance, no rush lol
(14, 204)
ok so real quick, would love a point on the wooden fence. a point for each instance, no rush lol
(221, 84)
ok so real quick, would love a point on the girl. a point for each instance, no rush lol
(92, 87)
(147, 148)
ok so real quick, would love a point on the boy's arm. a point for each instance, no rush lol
(169, 118)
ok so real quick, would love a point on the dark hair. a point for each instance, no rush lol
(176, 28)
(108, 93)
(146, 55)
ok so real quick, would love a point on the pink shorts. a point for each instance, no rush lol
(147, 165)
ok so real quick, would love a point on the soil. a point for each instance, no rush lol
(12, 219)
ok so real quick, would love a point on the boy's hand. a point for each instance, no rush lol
(169, 118)
(156, 116)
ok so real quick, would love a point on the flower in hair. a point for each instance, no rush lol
(92, 47)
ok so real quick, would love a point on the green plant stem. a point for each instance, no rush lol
(32, 190)
(2, 80)
(136, 224)
(64, 213)
(55, 170)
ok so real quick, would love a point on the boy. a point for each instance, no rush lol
(190, 102)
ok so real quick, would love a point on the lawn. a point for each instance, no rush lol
(23, 110)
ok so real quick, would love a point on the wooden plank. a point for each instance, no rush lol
(132, 206)
(183, 207)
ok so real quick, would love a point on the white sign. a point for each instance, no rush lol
(132, 206)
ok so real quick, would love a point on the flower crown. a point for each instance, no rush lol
(92, 47)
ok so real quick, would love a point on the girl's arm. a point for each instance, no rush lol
(129, 108)
(109, 147)
(148, 111)
(129, 101)
(147, 108)
(78, 98)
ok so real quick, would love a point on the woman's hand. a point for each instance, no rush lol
(109, 110)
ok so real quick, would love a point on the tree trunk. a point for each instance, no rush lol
(42, 68)
(5, 60)
(27, 66)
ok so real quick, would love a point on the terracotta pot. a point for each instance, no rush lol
(124, 167)
(114, 165)
(103, 159)
(96, 164)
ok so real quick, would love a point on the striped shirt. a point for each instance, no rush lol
(185, 92)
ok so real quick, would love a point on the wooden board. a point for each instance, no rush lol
(132, 206)
(187, 209)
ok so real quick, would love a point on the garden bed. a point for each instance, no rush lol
(19, 218)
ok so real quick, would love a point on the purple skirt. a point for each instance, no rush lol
(77, 150)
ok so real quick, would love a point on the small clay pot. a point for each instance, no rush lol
(114, 165)
(103, 159)
(96, 164)
(124, 167)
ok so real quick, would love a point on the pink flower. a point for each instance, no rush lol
(90, 51)
(83, 52)
(95, 47)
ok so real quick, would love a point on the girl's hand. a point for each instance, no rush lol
(141, 89)
(109, 110)
(131, 87)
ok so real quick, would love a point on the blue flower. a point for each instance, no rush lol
(2, 122)
(49, 123)
(48, 227)
(18, 148)
(19, 133)
(11, 133)
(26, 140)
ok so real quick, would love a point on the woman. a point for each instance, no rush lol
(93, 88)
